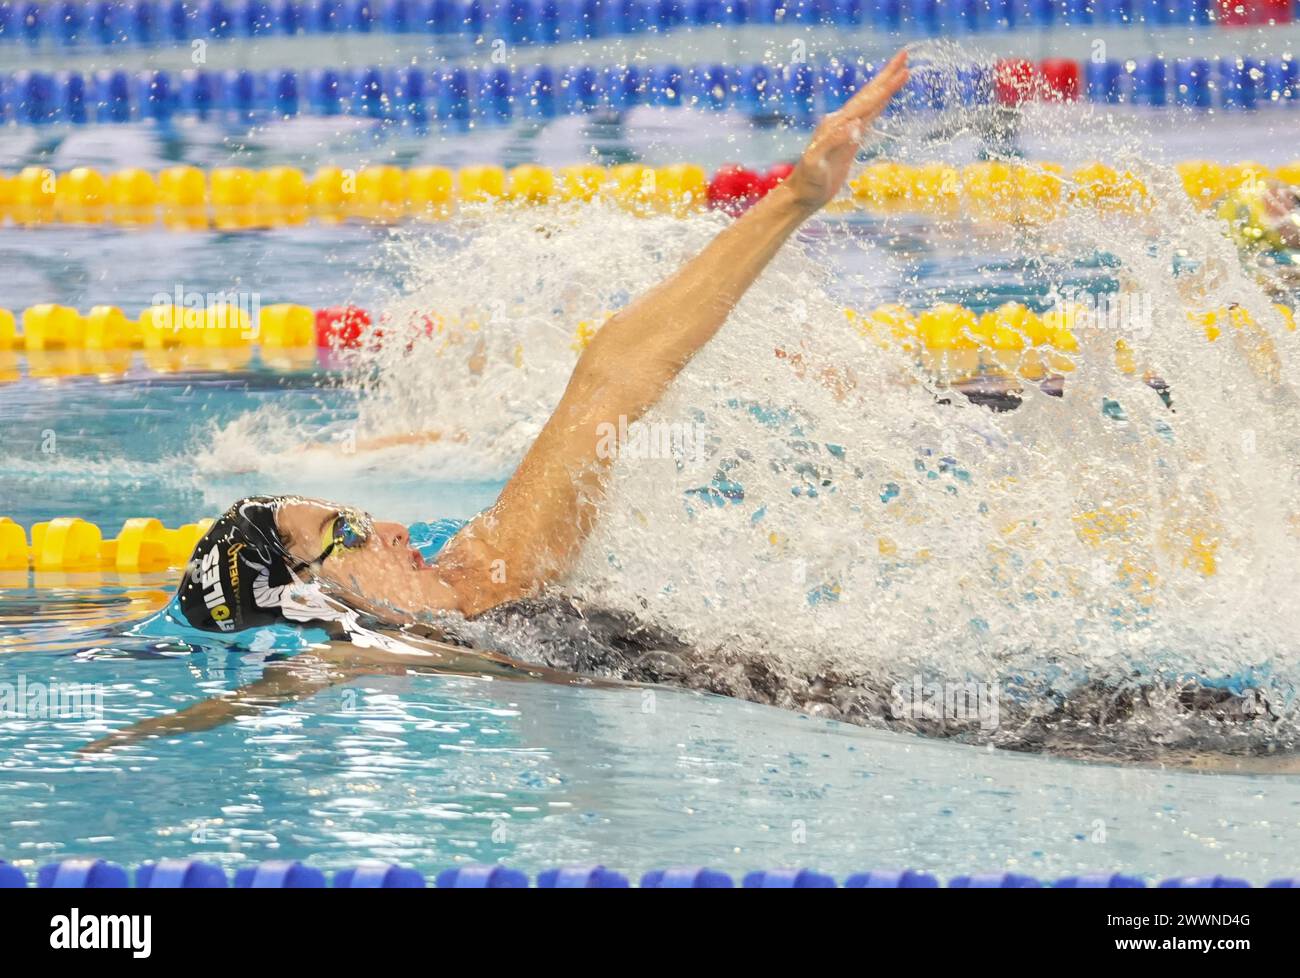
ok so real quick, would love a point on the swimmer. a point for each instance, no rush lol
(269, 560)
(1264, 215)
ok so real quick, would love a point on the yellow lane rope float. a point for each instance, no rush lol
(235, 198)
(72, 545)
(950, 340)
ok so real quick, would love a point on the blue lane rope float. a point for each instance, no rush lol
(1208, 883)
(294, 874)
(379, 876)
(280, 874)
(482, 878)
(1100, 881)
(993, 881)
(81, 874)
(788, 879)
(455, 97)
(180, 874)
(63, 24)
(464, 97)
(907, 879)
(581, 877)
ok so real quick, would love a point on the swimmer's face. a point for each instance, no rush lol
(360, 554)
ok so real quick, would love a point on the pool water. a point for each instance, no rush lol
(434, 770)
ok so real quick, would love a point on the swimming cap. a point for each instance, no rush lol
(237, 575)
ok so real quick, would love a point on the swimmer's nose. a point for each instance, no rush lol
(393, 534)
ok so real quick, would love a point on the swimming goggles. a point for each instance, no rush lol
(349, 531)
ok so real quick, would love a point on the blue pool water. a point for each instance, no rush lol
(434, 770)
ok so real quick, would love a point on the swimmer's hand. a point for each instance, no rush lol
(825, 164)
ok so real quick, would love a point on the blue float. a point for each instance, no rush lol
(1203, 883)
(581, 877)
(81, 874)
(103, 27)
(290, 17)
(257, 18)
(686, 878)
(907, 879)
(709, 86)
(622, 87)
(280, 875)
(1192, 83)
(799, 91)
(557, 23)
(199, 92)
(112, 93)
(585, 21)
(759, 91)
(326, 90)
(665, 88)
(239, 91)
(284, 93)
(482, 878)
(454, 104)
(157, 95)
(379, 876)
(787, 879)
(1101, 881)
(538, 92)
(993, 881)
(1102, 80)
(216, 19)
(73, 108)
(582, 89)
(1151, 83)
(178, 18)
(34, 97)
(180, 874)
(11, 877)
(495, 85)
(1237, 84)
(70, 22)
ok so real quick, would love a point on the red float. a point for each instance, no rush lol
(1060, 79)
(341, 327)
(1016, 81)
(734, 188)
(1238, 12)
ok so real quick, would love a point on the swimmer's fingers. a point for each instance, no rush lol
(826, 163)
(872, 98)
(845, 128)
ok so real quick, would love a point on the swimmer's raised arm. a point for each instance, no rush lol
(547, 508)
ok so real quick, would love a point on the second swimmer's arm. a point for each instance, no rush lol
(548, 506)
